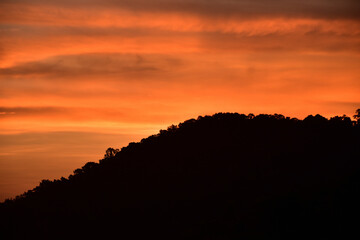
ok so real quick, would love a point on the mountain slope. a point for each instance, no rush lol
(224, 176)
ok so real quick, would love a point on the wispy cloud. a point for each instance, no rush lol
(128, 65)
(217, 8)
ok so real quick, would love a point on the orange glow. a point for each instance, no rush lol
(124, 72)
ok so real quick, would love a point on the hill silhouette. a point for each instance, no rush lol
(226, 176)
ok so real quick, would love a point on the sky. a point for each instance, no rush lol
(79, 76)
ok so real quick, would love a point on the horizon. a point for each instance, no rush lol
(91, 157)
(77, 77)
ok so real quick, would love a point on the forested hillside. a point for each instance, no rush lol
(226, 176)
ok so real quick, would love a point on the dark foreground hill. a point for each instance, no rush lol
(226, 176)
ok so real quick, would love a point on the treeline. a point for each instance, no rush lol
(224, 176)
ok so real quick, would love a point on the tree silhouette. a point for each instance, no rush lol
(111, 152)
(357, 116)
(226, 176)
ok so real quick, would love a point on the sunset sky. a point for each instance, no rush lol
(79, 76)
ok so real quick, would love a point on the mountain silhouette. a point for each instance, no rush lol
(226, 176)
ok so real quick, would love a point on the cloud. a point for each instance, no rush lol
(129, 66)
(327, 9)
(40, 46)
(345, 105)
(312, 41)
(26, 111)
(130, 115)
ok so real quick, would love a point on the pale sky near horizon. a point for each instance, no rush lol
(79, 76)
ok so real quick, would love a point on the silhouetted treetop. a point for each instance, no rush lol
(111, 152)
(357, 116)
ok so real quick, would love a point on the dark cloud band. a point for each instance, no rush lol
(328, 9)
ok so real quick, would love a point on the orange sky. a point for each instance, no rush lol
(79, 76)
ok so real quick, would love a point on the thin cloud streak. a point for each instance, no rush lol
(90, 64)
(333, 9)
(37, 47)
